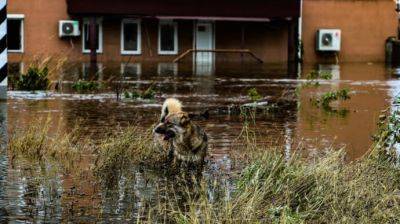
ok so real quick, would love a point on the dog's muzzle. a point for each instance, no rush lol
(168, 135)
(161, 129)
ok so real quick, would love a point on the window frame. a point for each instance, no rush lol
(21, 18)
(100, 23)
(139, 37)
(176, 47)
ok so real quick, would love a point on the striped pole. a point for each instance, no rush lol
(3, 49)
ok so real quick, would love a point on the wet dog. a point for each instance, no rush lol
(179, 135)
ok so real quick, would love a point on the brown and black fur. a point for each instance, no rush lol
(181, 137)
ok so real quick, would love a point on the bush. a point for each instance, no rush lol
(36, 78)
(331, 96)
(83, 86)
(148, 94)
(254, 95)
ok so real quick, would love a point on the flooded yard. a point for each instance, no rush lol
(44, 194)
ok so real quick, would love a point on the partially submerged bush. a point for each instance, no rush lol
(36, 78)
(83, 86)
(254, 95)
(327, 98)
(148, 94)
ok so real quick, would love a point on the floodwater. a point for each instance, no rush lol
(297, 124)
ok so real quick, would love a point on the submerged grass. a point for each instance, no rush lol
(271, 188)
(38, 143)
(124, 148)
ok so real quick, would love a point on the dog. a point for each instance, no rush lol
(179, 135)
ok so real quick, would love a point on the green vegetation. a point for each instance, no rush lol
(36, 78)
(331, 96)
(254, 95)
(82, 86)
(313, 78)
(148, 94)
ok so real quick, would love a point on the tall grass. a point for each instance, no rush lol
(271, 188)
(38, 143)
(123, 148)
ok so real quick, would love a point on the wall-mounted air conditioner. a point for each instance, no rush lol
(328, 40)
(68, 28)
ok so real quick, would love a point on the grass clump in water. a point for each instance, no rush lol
(275, 190)
(327, 98)
(82, 86)
(35, 143)
(254, 95)
(124, 148)
(148, 94)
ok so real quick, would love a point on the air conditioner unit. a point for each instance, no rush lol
(68, 28)
(328, 40)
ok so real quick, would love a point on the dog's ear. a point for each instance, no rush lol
(185, 119)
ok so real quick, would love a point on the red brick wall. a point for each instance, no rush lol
(365, 25)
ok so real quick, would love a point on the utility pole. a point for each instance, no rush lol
(3, 50)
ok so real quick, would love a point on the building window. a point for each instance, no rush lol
(85, 37)
(15, 33)
(131, 37)
(167, 37)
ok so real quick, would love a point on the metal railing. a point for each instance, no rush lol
(239, 51)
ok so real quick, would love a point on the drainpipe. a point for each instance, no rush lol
(92, 47)
(398, 18)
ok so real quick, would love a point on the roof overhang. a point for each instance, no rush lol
(234, 10)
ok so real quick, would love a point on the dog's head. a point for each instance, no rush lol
(174, 125)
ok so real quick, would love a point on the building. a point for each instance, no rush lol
(365, 26)
(160, 31)
(156, 30)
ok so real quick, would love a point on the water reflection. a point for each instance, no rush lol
(167, 69)
(38, 193)
(131, 70)
(3, 164)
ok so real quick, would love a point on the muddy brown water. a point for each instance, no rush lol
(44, 195)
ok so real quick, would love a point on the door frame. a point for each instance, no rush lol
(195, 24)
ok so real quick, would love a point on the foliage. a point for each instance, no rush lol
(254, 95)
(36, 78)
(329, 97)
(148, 94)
(83, 86)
